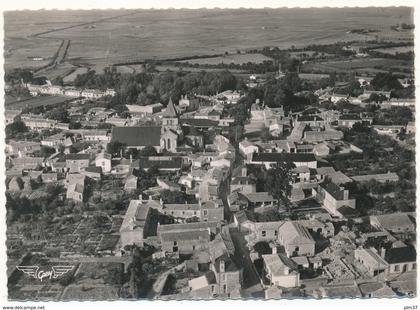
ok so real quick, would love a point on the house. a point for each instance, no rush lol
(49, 177)
(130, 183)
(266, 231)
(135, 227)
(75, 191)
(204, 286)
(11, 115)
(15, 184)
(163, 163)
(103, 160)
(188, 103)
(333, 197)
(54, 140)
(376, 290)
(298, 159)
(336, 177)
(185, 242)
(258, 199)
(281, 271)
(92, 172)
(337, 97)
(247, 149)
(76, 162)
(74, 178)
(22, 148)
(96, 135)
(322, 135)
(28, 163)
(411, 128)
(243, 221)
(144, 110)
(243, 184)
(228, 274)
(401, 259)
(310, 120)
(348, 120)
(372, 261)
(296, 239)
(213, 227)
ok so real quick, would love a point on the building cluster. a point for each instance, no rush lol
(231, 236)
(68, 91)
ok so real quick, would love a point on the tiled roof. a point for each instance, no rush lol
(283, 157)
(161, 162)
(137, 136)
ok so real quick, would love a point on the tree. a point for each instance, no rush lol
(15, 128)
(46, 151)
(386, 82)
(278, 181)
(173, 196)
(148, 151)
(115, 147)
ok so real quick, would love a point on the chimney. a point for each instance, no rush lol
(274, 250)
(244, 171)
(346, 194)
(131, 158)
(382, 253)
(222, 266)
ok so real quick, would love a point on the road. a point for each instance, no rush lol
(252, 283)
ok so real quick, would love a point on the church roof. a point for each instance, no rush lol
(170, 110)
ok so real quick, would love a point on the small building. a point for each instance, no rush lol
(296, 239)
(77, 162)
(333, 197)
(103, 160)
(75, 191)
(372, 261)
(281, 271)
(135, 226)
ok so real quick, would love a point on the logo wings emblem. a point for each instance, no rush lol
(55, 272)
(31, 271)
(58, 271)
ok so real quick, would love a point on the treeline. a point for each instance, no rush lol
(258, 68)
(146, 88)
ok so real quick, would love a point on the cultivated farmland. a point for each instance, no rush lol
(37, 102)
(102, 38)
(228, 59)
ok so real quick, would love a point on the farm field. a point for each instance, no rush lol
(20, 52)
(367, 65)
(162, 34)
(73, 75)
(228, 59)
(37, 102)
(163, 68)
(395, 50)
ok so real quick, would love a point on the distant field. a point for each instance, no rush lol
(395, 50)
(164, 68)
(228, 59)
(371, 65)
(73, 75)
(37, 102)
(161, 34)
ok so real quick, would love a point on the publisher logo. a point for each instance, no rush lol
(36, 273)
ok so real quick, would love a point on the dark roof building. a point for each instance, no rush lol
(161, 162)
(137, 137)
(296, 158)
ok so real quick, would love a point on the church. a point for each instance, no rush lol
(168, 136)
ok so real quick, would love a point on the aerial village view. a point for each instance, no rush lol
(210, 154)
